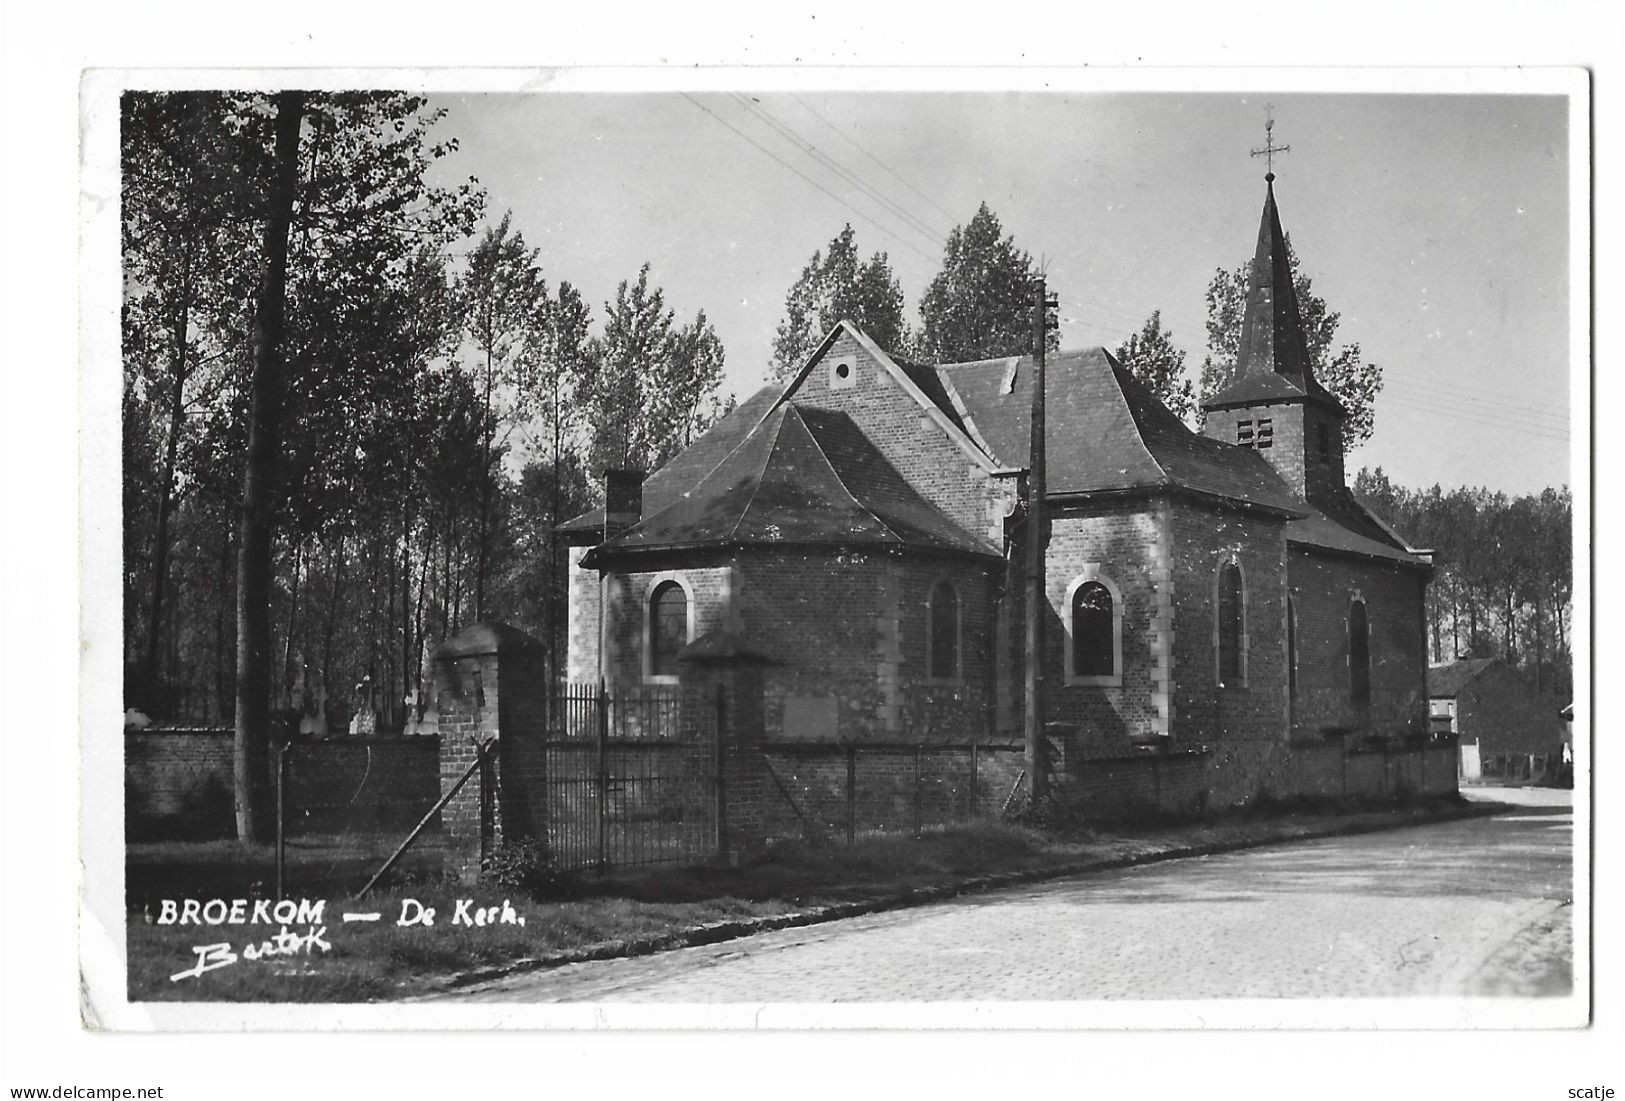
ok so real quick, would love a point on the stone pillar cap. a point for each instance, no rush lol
(491, 637)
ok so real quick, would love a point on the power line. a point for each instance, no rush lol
(1542, 431)
(1509, 405)
(820, 187)
(1107, 311)
(1480, 416)
(1078, 322)
(1452, 401)
(801, 143)
(853, 143)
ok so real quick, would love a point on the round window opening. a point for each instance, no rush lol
(843, 370)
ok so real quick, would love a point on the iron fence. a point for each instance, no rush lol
(636, 713)
(628, 784)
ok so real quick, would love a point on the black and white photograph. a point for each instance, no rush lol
(666, 550)
(743, 546)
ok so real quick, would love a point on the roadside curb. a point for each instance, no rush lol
(718, 932)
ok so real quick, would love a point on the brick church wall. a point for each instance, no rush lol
(1122, 544)
(958, 708)
(1245, 725)
(1323, 586)
(626, 613)
(907, 434)
(1202, 541)
(847, 631)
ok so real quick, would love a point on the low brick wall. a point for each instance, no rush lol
(1313, 770)
(891, 788)
(890, 793)
(177, 783)
(1160, 783)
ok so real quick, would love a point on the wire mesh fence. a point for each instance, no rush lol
(628, 778)
(358, 786)
(847, 790)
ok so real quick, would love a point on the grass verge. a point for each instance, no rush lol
(388, 960)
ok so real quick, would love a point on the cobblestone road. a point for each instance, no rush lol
(1472, 907)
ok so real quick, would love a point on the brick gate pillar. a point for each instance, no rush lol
(723, 681)
(490, 682)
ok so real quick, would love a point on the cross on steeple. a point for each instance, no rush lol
(1270, 148)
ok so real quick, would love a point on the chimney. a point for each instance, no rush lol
(623, 500)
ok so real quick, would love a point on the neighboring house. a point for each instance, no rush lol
(1503, 725)
(860, 525)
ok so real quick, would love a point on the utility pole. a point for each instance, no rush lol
(1037, 538)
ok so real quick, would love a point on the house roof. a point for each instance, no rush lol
(1272, 360)
(1104, 431)
(1448, 679)
(802, 477)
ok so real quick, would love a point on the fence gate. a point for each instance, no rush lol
(629, 782)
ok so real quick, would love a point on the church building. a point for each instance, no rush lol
(861, 526)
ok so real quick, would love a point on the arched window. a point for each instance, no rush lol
(1359, 653)
(1093, 635)
(1094, 631)
(668, 627)
(944, 635)
(1291, 648)
(1232, 627)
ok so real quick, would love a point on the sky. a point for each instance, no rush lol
(1438, 225)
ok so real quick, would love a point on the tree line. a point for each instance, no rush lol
(980, 306)
(435, 406)
(1503, 582)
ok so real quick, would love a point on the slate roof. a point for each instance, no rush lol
(1105, 432)
(1272, 361)
(803, 477)
(827, 484)
(1447, 680)
(1338, 522)
(671, 481)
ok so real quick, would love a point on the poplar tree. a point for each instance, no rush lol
(835, 287)
(980, 305)
(1151, 357)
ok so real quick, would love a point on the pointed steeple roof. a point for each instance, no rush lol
(1272, 363)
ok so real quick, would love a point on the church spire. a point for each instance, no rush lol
(1272, 338)
(1273, 403)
